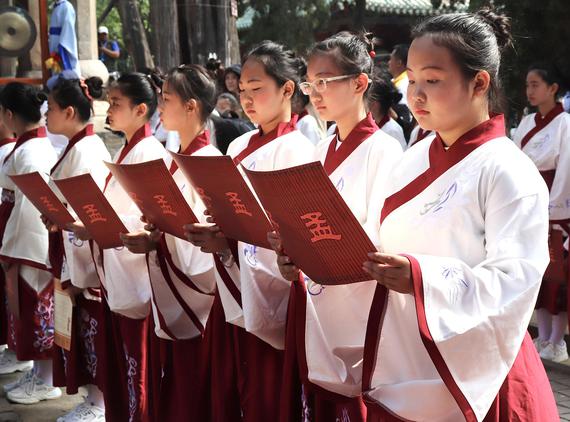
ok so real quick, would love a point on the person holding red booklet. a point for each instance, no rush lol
(121, 342)
(544, 137)
(70, 103)
(7, 142)
(24, 251)
(359, 159)
(463, 236)
(181, 276)
(253, 293)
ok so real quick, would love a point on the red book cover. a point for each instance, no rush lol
(154, 191)
(228, 197)
(319, 232)
(93, 209)
(40, 194)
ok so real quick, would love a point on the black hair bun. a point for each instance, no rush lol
(39, 98)
(501, 25)
(95, 85)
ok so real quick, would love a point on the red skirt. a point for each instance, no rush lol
(78, 367)
(3, 309)
(220, 336)
(32, 335)
(525, 396)
(553, 297)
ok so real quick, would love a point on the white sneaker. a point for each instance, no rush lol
(33, 391)
(539, 344)
(555, 352)
(10, 364)
(20, 381)
(85, 412)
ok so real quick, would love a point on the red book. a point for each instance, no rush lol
(319, 232)
(154, 191)
(40, 194)
(93, 209)
(228, 197)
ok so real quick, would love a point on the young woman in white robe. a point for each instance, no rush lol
(252, 291)
(359, 159)
(181, 276)
(418, 134)
(24, 251)
(69, 110)
(463, 236)
(121, 343)
(545, 137)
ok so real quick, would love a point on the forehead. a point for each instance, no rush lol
(534, 76)
(424, 53)
(252, 70)
(322, 65)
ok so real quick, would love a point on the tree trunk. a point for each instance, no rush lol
(359, 11)
(165, 37)
(134, 34)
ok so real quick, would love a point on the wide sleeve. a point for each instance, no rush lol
(472, 319)
(559, 205)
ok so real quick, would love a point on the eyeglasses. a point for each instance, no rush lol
(320, 85)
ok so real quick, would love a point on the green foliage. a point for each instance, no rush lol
(112, 21)
(541, 33)
(290, 22)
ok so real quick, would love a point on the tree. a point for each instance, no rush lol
(165, 40)
(290, 22)
(134, 33)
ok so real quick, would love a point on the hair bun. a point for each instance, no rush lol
(501, 25)
(39, 98)
(95, 85)
(369, 39)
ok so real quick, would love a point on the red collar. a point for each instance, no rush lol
(442, 160)
(541, 122)
(260, 139)
(384, 120)
(39, 132)
(7, 141)
(86, 131)
(362, 131)
(303, 114)
(142, 133)
(199, 142)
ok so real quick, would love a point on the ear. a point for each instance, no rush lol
(554, 88)
(191, 106)
(141, 110)
(69, 112)
(362, 83)
(288, 89)
(481, 83)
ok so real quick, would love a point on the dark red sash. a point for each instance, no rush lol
(86, 131)
(260, 139)
(541, 122)
(384, 120)
(199, 142)
(421, 135)
(39, 132)
(7, 141)
(139, 135)
(362, 131)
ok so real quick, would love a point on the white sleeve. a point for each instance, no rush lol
(559, 205)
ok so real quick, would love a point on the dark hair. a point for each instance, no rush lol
(400, 51)
(23, 100)
(351, 53)
(231, 98)
(192, 81)
(384, 91)
(279, 63)
(475, 40)
(550, 74)
(71, 93)
(140, 89)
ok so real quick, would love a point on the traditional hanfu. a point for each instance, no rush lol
(71, 262)
(473, 225)
(253, 293)
(329, 349)
(546, 141)
(127, 292)
(308, 126)
(6, 205)
(392, 128)
(418, 134)
(25, 251)
(183, 286)
(62, 37)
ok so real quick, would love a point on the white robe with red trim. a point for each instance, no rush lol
(334, 343)
(479, 234)
(26, 238)
(549, 149)
(4, 151)
(392, 128)
(264, 292)
(416, 132)
(124, 274)
(86, 156)
(195, 264)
